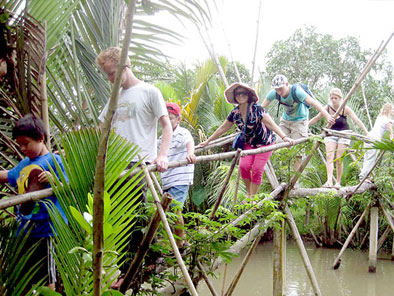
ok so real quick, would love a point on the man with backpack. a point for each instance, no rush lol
(296, 100)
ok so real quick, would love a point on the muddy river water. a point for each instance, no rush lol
(352, 277)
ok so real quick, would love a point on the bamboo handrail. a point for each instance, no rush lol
(350, 136)
(40, 194)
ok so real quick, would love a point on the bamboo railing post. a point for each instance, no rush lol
(383, 238)
(143, 249)
(303, 253)
(245, 261)
(207, 281)
(387, 215)
(167, 228)
(392, 250)
(297, 173)
(279, 260)
(373, 239)
(228, 237)
(221, 194)
(337, 261)
(255, 44)
(367, 175)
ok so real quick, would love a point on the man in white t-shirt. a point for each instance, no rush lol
(140, 107)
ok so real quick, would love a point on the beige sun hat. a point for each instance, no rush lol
(229, 92)
(337, 92)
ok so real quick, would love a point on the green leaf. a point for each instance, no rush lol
(198, 196)
(81, 220)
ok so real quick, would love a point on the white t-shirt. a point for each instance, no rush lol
(135, 119)
(180, 175)
(379, 128)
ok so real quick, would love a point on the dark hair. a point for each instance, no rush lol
(30, 126)
(250, 95)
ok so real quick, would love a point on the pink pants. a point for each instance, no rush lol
(252, 166)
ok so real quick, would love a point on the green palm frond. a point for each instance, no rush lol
(15, 275)
(23, 51)
(216, 181)
(385, 145)
(73, 243)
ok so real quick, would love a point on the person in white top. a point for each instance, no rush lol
(140, 107)
(176, 181)
(384, 122)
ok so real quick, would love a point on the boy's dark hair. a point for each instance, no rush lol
(30, 126)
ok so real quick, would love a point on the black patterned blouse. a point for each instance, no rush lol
(257, 134)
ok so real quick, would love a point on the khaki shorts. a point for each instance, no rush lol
(338, 140)
(294, 129)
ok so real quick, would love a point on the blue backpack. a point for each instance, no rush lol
(294, 95)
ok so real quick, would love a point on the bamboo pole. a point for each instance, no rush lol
(221, 194)
(98, 189)
(256, 42)
(298, 173)
(43, 91)
(373, 239)
(342, 192)
(349, 135)
(383, 238)
(392, 250)
(303, 253)
(366, 106)
(216, 143)
(221, 156)
(245, 261)
(367, 175)
(228, 44)
(167, 228)
(337, 261)
(228, 237)
(279, 260)
(213, 54)
(143, 249)
(207, 281)
(387, 215)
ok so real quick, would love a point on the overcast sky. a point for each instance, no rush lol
(369, 20)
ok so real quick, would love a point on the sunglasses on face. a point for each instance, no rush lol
(239, 93)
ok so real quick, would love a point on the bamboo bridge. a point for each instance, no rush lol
(282, 192)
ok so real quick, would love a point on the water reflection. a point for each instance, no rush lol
(352, 278)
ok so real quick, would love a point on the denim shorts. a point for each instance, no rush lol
(179, 193)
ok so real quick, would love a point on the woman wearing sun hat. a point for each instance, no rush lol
(259, 132)
(334, 143)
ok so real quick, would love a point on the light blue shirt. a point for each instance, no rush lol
(293, 111)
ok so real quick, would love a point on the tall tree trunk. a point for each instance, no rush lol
(98, 202)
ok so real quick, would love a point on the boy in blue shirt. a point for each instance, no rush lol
(32, 174)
